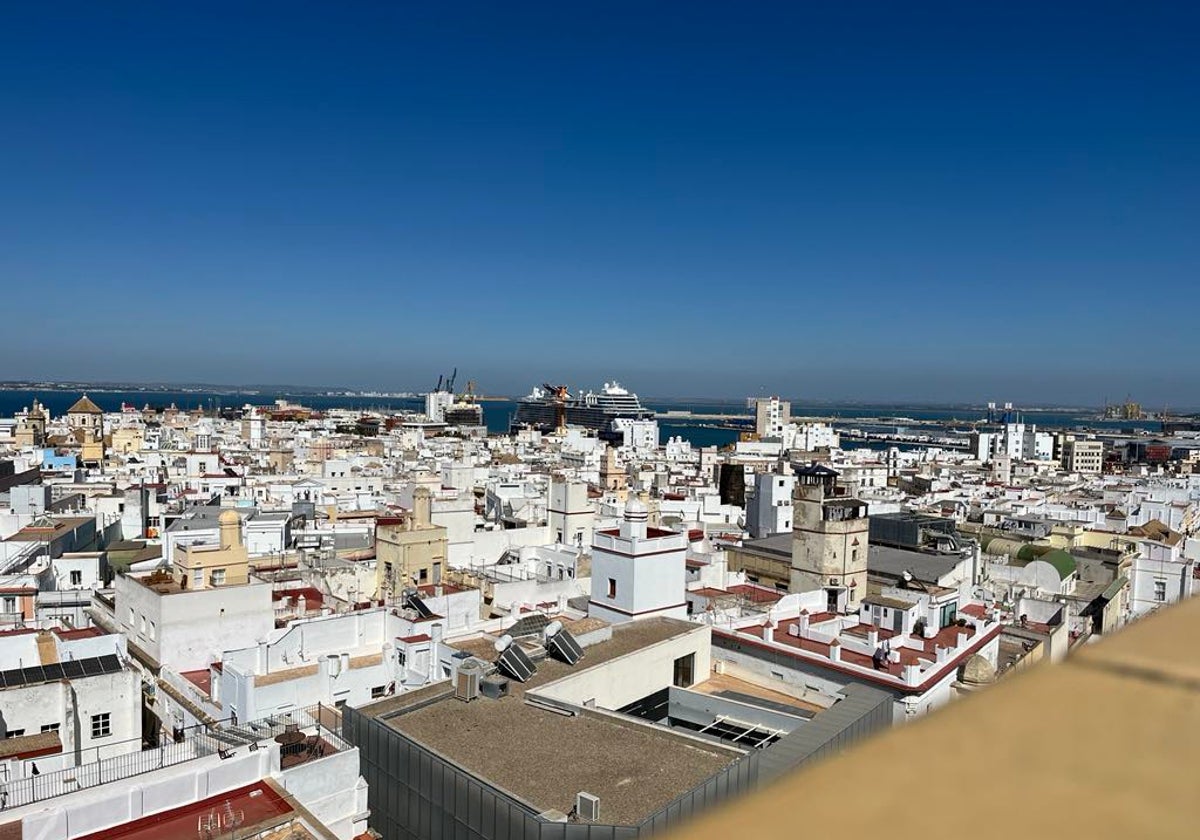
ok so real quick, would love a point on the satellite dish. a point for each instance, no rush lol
(502, 644)
(908, 576)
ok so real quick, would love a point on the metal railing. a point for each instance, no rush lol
(193, 742)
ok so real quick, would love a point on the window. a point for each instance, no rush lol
(143, 623)
(423, 575)
(400, 658)
(76, 577)
(377, 692)
(50, 727)
(387, 570)
(102, 725)
(153, 628)
(10, 604)
(197, 578)
(132, 618)
(15, 733)
(612, 587)
(218, 577)
(685, 667)
(1160, 590)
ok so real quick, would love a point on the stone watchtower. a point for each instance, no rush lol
(829, 539)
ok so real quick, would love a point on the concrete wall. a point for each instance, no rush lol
(331, 789)
(71, 705)
(189, 630)
(650, 582)
(623, 680)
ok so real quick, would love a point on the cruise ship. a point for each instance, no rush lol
(591, 410)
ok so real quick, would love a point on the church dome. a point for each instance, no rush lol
(228, 517)
(978, 671)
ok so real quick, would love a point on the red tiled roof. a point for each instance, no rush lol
(430, 589)
(79, 633)
(200, 678)
(651, 533)
(756, 594)
(412, 640)
(311, 595)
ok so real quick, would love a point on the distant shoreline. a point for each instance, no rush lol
(300, 391)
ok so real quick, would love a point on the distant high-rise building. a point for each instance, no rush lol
(771, 415)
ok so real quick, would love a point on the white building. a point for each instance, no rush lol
(638, 435)
(770, 510)
(69, 697)
(187, 628)
(771, 415)
(637, 571)
(570, 514)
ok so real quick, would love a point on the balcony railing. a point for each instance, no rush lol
(316, 731)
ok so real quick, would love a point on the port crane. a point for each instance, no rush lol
(560, 395)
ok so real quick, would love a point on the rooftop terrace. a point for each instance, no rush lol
(544, 758)
(1102, 745)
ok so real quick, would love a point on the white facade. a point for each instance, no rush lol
(770, 511)
(189, 629)
(810, 437)
(436, 403)
(96, 716)
(638, 572)
(771, 416)
(570, 514)
(638, 435)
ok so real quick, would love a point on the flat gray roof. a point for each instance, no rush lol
(545, 758)
(893, 562)
(776, 546)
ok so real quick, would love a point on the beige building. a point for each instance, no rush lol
(31, 430)
(86, 420)
(410, 550)
(771, 415)
(1083, 456)
(613, 477)
(205, 565)
(127, 440)
(829, 539)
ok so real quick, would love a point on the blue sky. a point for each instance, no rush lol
(852, 200)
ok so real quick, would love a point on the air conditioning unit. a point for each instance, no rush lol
(719, 666)
(587, 807)
(466, 680)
